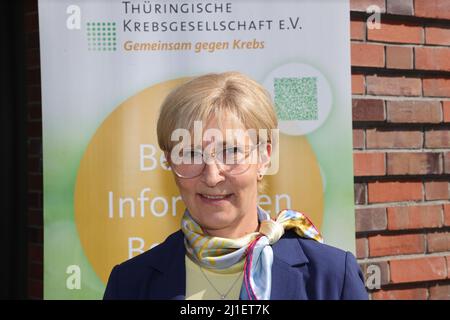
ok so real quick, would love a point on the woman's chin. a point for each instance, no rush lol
(216, 225)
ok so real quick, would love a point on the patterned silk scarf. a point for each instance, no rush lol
(252, 252)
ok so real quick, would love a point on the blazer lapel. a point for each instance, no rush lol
(168, 279)
(288, 270)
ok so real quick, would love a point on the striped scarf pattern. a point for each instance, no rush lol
(252, 252)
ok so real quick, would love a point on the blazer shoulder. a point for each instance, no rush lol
(331, 267)
(323, 254)
(127, 278)
(152, 257)
(317, 253)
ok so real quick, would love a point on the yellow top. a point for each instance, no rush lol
(198, 287)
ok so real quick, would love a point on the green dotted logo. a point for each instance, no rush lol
(101, 36)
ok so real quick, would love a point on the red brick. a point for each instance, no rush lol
(435, 35)
(360, 193)
(432, 9)
(447, 215)
(35, 253)
(361, 248)
(370, 219)
(34, 129)
(438, 242)
(357, 30)
(369, 164)
(32, 40)
(436, 87)
(34, 146)
(34, 93)
(33, 58)
(35, 235)
(35, 289)
(412, 163)
(394, 191)
(34, 165)
(31, 6)
(35, 181)
(415, 270)
(399, 57)
(447, 258)
(414, 217)
(362, 5)
(368, 110)
(436, 190)
(440, 292)
(430, 58)
(34, 112)
(401, 294)
(447, 162)
(397, 33)
(358, 84)
(35, 218)
(378, 138)
(33, 76)
(414, 111)
(31, 22)
(367, 55)
(437, 139)
(35, 271)
(34, 200)
(358, 139)
(396, 245)
(393, 86)
(446, 110)
(402, 7)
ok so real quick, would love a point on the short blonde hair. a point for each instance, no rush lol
(214, 95)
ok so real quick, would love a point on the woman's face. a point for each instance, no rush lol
(223, 205)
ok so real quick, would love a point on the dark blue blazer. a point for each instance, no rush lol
(302, 269)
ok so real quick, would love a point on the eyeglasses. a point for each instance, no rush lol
(233, 160)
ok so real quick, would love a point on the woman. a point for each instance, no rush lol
(228, 247)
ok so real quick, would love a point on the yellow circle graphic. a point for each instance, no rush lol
(126, 200)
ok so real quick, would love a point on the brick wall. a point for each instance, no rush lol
(401, 133)
(401, 120)
(34, 129)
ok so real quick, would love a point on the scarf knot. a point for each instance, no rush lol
(273, 230)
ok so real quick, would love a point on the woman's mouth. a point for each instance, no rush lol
(215, 198)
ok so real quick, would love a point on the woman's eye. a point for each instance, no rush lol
(191, 154)
(229, 151)
(235, 151)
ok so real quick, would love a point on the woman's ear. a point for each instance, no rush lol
(167, 162)
(265, 159)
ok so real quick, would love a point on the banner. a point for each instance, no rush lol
(107, 66)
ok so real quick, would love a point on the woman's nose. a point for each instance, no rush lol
(211, 174)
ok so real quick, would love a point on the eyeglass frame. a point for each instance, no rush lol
(213, 155)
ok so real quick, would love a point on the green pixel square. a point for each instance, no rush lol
(101, 35)
(296, 98)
